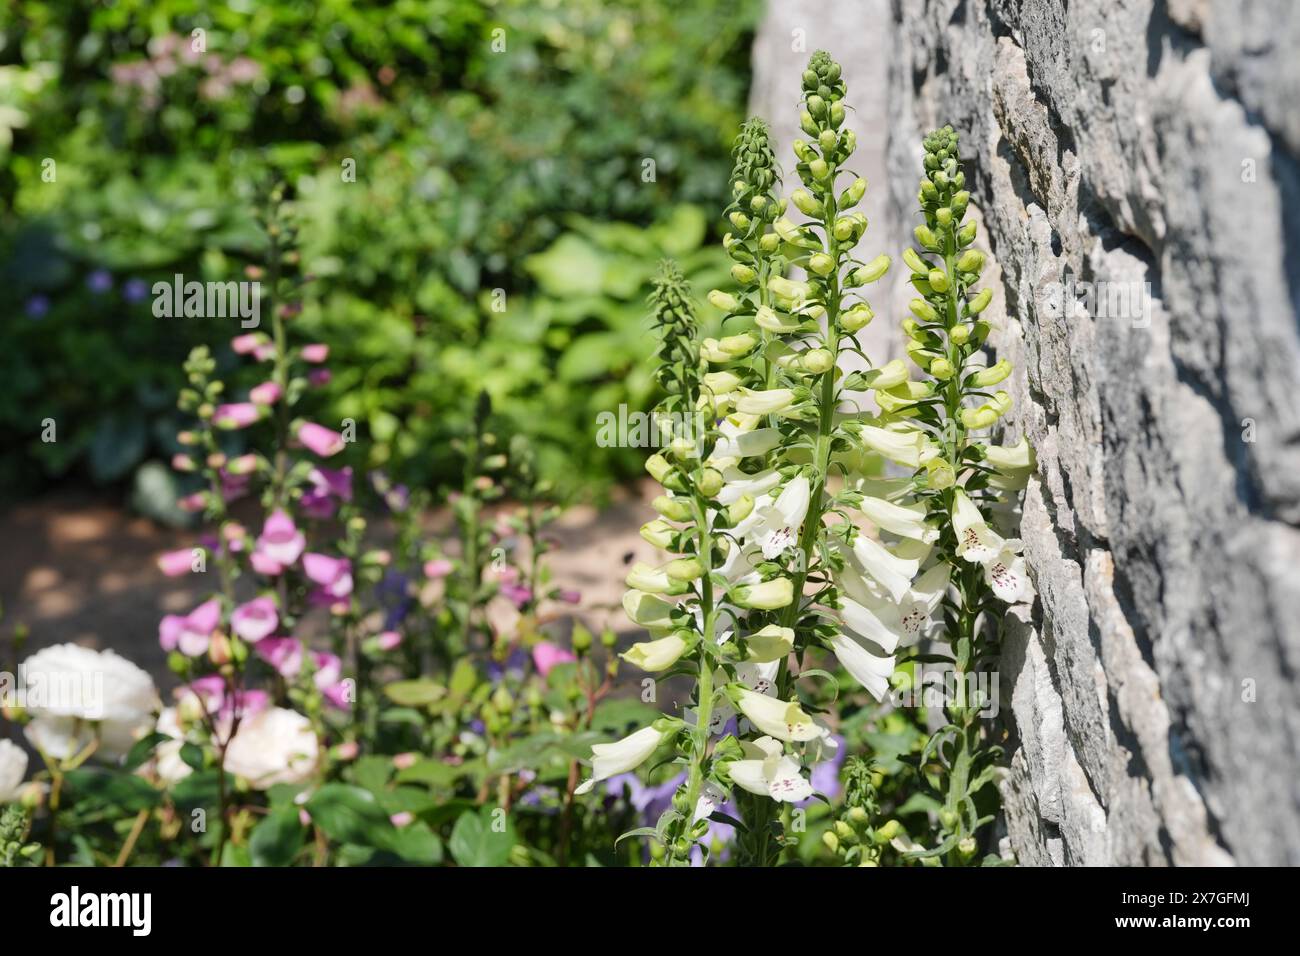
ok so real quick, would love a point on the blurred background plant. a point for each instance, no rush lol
(483, 188)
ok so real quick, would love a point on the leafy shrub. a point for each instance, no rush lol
(468, 161)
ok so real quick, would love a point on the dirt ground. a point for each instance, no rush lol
(75, 567)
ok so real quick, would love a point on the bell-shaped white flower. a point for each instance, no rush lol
(870, 557)
(711, 797)
(1004, 569)
(872, 614)
(1006, 574)
(768, 772)
(870, 670)
(772, 643)
(903, 447)
(13, 768)
(656, 655)
(647, 610)
(764, 402)
(764, 595)
(976, 541)
(774, 525)
(607, 760)
(784, 720)
(735, 443)
(738, 484)
(906, 521)
(758, 677)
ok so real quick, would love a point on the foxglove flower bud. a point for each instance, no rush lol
(818, 361)
(723, 301)
(914, 262)
(738, 346)
(991, 375)
(766, 596)
(819, 263)
(981, 302)
(772, 321)
(744, 275)
(710, 482)
(658, 467)
(805, 203)
(660, 654)
(856, 318)
(674, 509)
(872, 271)
(797, 292)
(927, 238)
(659, 533)
(923, 310)
(853, 195)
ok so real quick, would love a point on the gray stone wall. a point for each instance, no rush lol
(1134, 165)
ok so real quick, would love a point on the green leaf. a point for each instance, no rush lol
(372, 772)
(478, 839)
(463, 678)
(571, 266)
(117, 447)
(199, 789)
(432, 773)
(142, 750)
(350, 814)
(414, 693)
(417, 844)
(124, 791)
(616, 714)
(277, 839)
(192, 754)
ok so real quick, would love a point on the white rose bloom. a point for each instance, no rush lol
(76, 694)
(13, 767)
(273, 746)
(168, 764)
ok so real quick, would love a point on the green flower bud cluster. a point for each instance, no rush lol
(674, 319)
(13, 829)
(754, 181)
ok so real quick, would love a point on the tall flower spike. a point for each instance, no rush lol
(674, 318)
(947, 333)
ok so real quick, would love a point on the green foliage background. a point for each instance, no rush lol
(482, 178)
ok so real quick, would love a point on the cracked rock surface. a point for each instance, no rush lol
(1133, 164)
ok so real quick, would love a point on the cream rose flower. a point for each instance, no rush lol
(273, 746)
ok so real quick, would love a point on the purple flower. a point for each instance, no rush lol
(393, 595)
(332, 481)
(99, 281)
(512, 667)
(517, 594)
(825, 776)
(334, 575)
(547, 655)
(319, 439)
(255, 620)
(191, 633)
(282, 653)
(135, 290)
(280, 541)
(329, 680)
(37, 306)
